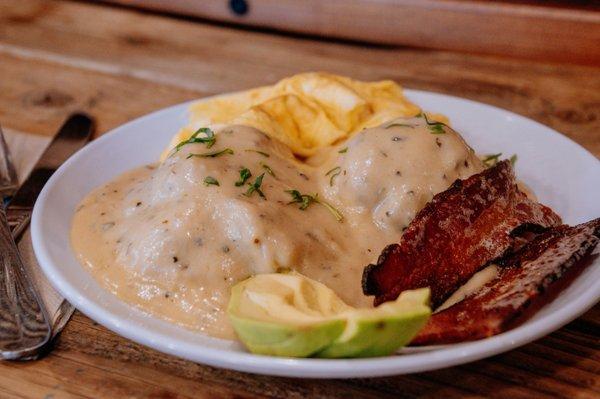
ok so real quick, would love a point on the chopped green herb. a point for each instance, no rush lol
(267, 168)
(305, 200)
(208, 181)
(297, 198)
(513, 159)
(264, 154)
(212, 154)
(399, 125)
(333, 172)
(244, 175)
(434, 127)
(437, 128)
(491, 159)
(343, 150)
(209, 138)
(256, 187)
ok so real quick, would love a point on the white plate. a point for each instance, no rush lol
(563, 174)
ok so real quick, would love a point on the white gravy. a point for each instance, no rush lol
(165, 241)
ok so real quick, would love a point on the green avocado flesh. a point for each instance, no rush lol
(293, 316)
(382, 330)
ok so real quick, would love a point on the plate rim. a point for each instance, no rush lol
(446, 356)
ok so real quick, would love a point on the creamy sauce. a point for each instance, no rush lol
(165, 240)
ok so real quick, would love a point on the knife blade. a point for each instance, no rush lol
(73, 135)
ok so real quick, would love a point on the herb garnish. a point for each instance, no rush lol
(256, 187)
(343, 150)
(434, 127)
(212, 154)
(491, 159)
(399, 125)
(209, 138)
(264, 154)
(305, 200)
(209, 180)
(267, 168)
(245, 174)
(437, 128)
(333, 172)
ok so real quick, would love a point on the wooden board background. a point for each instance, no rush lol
(117, 64)
(567, 31)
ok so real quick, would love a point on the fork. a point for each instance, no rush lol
(8, 175)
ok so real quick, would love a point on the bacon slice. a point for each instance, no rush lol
(456, 234)
(522, 278)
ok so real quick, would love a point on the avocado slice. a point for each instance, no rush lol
(292, 315)
(382, 330)
(285, 315)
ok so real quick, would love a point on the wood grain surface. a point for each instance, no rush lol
(518, 28)
(117, 64)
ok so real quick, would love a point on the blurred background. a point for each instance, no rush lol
(567, 31)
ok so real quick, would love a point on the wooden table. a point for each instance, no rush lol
(118, 64)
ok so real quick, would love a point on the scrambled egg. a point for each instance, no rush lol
(306, 111)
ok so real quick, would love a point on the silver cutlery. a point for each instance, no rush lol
(24, 325)
(8, 175)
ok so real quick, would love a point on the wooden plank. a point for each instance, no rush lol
(123, 64)
(39, 100)
(208, 59)
(513, 28)
(485, 378)
(95, 346)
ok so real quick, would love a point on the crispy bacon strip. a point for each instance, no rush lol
(456, 234)
(522, 278)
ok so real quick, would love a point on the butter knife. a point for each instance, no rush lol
(24, 326)
(72, 136)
